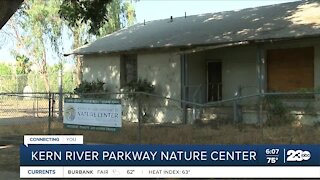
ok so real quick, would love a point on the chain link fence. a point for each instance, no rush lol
(149, 118)
(270, 118)
(33, 82)
(151, 108)
(23, 105)
(268, 109)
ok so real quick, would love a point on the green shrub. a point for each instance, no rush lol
(277, 112)
(141, 86)
(94, 89)
(138, 86)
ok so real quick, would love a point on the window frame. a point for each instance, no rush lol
(128, 75)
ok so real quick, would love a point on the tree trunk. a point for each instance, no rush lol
(46, 81)
(43, 70)
(79, 66)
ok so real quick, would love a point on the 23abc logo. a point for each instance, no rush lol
(298, 155)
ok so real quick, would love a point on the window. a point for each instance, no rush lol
(128, 69)
(290, 69)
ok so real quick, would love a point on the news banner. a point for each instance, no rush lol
(64, 156)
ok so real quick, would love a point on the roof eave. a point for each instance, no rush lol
(196, 47)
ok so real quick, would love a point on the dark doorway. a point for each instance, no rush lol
(214, 78)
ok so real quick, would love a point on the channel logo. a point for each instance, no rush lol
(298, 155)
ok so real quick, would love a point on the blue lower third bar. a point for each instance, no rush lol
(170, 155)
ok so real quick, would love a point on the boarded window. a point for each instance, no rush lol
(290, 70)
(128, 69)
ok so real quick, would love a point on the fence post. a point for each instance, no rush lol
(184, 105)
(33, 108)
(236, 108)
(260, 108)
(60, 94)
(52, 104)
(37, 106)
(139, 117)
(49, 118)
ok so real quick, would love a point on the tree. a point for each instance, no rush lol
(22, 64)
(83, 17)
(98, 14)
(94, 13)
(113, 22)
(38, 27)
(128, 13)
(99, 18)
(22, 70)
(7, 81)
(5, 69)
(80, 37)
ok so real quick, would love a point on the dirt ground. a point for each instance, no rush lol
(11, 136)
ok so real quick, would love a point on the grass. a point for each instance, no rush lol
(179, 134)
(152, 134)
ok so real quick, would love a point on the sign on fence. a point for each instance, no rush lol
(89, 114)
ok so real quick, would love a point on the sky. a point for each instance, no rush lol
(148, 10)
(161, 9)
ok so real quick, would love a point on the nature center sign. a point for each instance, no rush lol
(92, 114)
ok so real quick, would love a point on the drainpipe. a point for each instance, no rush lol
(261, 77)
(184, 82)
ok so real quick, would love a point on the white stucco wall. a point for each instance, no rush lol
(239, 66)
(197, 69)
(163, 70)
(238, 69)
(103, 67)
(107, 68)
